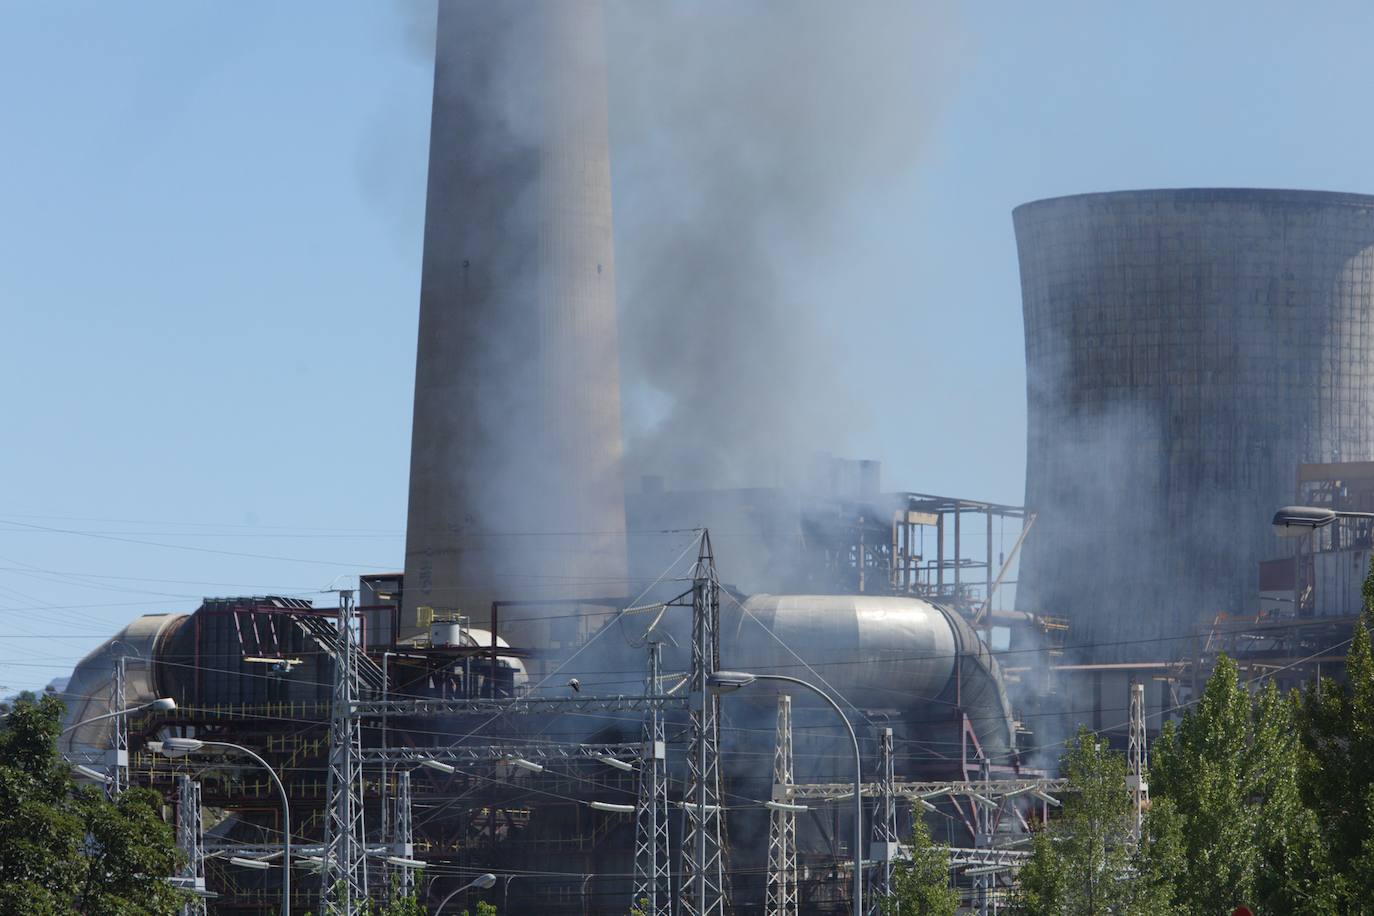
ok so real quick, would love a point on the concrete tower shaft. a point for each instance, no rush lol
(516, 442)
(1185, 351)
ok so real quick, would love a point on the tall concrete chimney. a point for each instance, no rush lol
(516, 490)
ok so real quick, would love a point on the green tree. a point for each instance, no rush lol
(1337, 727)
(920, 883)
(64, 848)
(1231, 770)
(1086, 862)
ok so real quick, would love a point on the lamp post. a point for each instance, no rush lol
(161, 704)
(119, 754)
(1297, 521)
(719, 682)
(178, 747)
(481, 881)
(1300, 521)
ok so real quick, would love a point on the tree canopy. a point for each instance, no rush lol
(64, 848)
(1086, 862)
(920, 883)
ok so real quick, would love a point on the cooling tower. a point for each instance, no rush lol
(1185, 351)
(515, 483)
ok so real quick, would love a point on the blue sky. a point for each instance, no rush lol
(210, 229)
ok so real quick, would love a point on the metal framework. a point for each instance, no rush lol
(993, 789)
(653, 856)
(1138, 760)
(343, 873)
(781, 899)
(119, 752)
(530, 705)
(952, 576)
(702, 892)
(491, 753)
(191, 842)
(403, 841)
(884, 846)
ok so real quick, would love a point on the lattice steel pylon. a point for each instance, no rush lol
(343, 873)
(653, 857)
(191, 842)
(781, 899)
(119, 751)
(1137, 761)
(883, 847)
(984, 882)
(403, 841)
(702, 892)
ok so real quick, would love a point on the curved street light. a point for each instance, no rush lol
(1296, 521)
(719, 682)
(180, 747)
(481, 881)
(161, 704)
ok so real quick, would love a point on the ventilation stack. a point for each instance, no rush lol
(1185, 351)
(516, 490)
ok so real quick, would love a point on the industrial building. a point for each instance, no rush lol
(1186, 350)
(530, 698)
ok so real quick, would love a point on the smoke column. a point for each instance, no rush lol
(743, 136)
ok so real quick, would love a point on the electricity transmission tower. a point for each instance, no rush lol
(1137, 760)
(702, 892)
(344, 870)
(119, 752)
(190, 840)
(781, 897)
(883, 847)
(403, 844)
(652, 884)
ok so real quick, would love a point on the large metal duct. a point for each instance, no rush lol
(1185, 351)
(515, 482)
(901, 654)
(89, 693)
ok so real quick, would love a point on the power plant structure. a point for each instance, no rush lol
(537, 698)
(521, 700)
(516, 490)
(1186, 351)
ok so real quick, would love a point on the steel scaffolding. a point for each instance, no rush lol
(191, 842)
(1138, 760)
(119, 765)
(403, 840)
(883, 847)
(702, 892)
(343, 874)
(653, 872)
(781, 897)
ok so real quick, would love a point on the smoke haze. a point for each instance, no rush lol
(743, 136)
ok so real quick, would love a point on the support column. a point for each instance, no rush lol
(781, 899)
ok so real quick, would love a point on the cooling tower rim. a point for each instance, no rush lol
(1208, 196)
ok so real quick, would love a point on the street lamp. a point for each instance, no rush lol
(180, 747)
(161, 704)
(481, 881)
(611, 807)
(438, 766)
(241, 862)
(1296, 521)
(720, 682)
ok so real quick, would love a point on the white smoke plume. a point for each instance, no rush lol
(744, 138)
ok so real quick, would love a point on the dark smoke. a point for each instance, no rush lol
(744, 136)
